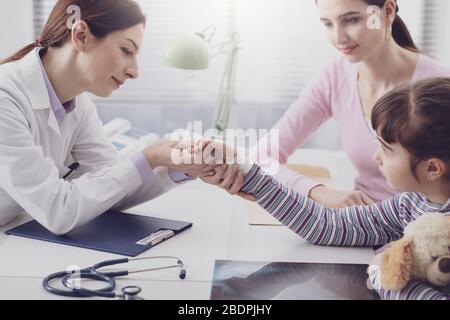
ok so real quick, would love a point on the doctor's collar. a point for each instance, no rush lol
(60, 109)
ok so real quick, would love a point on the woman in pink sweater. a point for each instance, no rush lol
(378, 54)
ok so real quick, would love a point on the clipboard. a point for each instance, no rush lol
(113, 232)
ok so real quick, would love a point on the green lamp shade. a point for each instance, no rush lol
(189, 52)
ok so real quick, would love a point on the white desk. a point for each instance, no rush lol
(220, 231)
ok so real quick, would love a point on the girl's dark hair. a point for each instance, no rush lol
(102, 16)
(400, 31)
(417, 116)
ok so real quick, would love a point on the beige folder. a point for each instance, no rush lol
(259, 217)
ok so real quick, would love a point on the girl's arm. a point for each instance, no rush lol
(376, 224)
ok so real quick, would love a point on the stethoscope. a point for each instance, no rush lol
(92, 273)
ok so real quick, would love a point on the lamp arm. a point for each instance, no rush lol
(226, 97)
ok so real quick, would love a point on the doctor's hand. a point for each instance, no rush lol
(179, 155)
(339, 199)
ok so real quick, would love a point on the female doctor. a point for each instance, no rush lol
(48, 122)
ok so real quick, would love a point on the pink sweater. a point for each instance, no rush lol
(334, 94)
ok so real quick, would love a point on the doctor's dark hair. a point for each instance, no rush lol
(400, 32)
(417, 116)
(102, 16)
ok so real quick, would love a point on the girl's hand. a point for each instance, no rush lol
(229, 178)
(339, 199)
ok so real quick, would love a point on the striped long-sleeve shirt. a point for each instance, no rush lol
(361, 226)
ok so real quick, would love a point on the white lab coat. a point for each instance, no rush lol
(35, 152)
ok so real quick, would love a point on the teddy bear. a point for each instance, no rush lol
(422, 253)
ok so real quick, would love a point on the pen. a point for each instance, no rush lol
(74, 166)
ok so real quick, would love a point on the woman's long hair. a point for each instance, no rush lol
(102, 16)
(400, 31)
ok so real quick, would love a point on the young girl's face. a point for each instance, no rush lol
(394, 163)
(112, 61)
(348, 28)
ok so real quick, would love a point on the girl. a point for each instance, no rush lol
(49, 126)
(373, 61)
(412, 124)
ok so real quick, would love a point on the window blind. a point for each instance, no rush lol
(434, 21)
(283, 47)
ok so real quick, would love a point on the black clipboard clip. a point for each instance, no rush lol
(156, 238)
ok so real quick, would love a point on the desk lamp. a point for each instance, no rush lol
(193, 52)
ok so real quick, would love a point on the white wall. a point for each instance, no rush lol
(16, 25)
